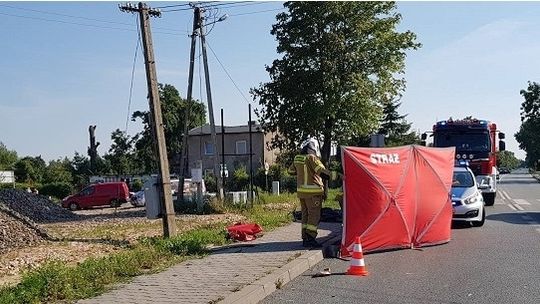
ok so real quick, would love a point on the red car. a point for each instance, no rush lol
(113, 194)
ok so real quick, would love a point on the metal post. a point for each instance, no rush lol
(210, 110)
(169, 225)
(250, 158)
(184, 158)
(222, 152)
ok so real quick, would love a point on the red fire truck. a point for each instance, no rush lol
(475, 141)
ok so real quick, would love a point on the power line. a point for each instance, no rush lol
(89, 25)
(237, 4)
(133, 72)
(257, 12)
(229, 75)
(71, 16)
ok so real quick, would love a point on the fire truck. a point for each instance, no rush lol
(475, 141)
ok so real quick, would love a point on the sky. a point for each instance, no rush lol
(68, 65)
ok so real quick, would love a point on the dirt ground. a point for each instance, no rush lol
(100, 232)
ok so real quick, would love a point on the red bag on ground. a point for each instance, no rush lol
(244, 232)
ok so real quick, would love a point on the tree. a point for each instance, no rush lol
(396, 129)
(528, 135)
(30, 169)
(340, 61)
(8, 158)
(58, 171)
(507, 159)
(173, 109)
(120, 154)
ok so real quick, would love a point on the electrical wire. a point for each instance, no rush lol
(90, 25)
(229, 75)
(137, 46)
(234, 4)
(71, 16)
(257, 12)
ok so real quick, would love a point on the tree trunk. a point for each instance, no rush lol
(327, 142)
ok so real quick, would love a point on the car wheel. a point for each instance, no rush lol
(73, 206)
(489, 199)
(481, 222)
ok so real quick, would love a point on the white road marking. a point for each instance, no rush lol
(505, 195)
(521, 201)
(512, 207)
(519, 207)
(538, 230)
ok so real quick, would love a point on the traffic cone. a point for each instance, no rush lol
(358, 267)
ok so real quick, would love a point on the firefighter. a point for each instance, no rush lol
(310, 171)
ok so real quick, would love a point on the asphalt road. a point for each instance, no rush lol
(496, 263)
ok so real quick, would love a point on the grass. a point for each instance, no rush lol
(57, 281)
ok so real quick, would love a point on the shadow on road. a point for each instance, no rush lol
(522, 218)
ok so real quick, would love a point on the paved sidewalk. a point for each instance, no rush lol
(234, 275)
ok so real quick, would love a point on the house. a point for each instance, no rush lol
(236, 143)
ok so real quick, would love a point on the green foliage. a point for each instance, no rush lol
(507, 159)
(30, 169)
(239, 180)
(58, 282)
(528, 136)
(136, 185)
(8, 158)
(396, 129)
(57, 189)
(210, 183)
(58, 171)
(173, 109)
(338, 62)
(121, 154)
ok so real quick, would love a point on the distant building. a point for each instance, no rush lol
(236, 140)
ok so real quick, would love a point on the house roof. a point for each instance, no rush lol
(205, 130)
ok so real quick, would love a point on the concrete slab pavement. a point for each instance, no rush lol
(233, 275)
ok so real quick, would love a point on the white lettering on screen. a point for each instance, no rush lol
(384, 158)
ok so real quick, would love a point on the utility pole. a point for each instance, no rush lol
(210, 109)
(184, 160)
(169, 225)
(92, 150)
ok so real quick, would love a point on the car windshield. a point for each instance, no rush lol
(462, 179)
(463, 141)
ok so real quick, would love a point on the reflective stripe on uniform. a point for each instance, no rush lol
(309, 189)
(311, 227)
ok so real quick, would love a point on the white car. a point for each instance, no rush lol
(467, 200)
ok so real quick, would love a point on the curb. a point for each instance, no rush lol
(263, 287)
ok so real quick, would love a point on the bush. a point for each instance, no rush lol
(58, 189)
(136, 185)
(240, 179)
(210, 183)
(19, 186)
(288, 183)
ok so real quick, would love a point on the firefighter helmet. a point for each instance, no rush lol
(311, 146)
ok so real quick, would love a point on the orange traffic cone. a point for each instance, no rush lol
(358, 267)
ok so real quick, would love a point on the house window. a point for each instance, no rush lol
(241, 147)
(208, 148)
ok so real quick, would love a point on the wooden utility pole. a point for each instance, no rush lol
(211, 111)
(184, 160)
(164, 179)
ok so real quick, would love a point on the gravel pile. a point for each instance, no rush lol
(16, 233)
(37, 208)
